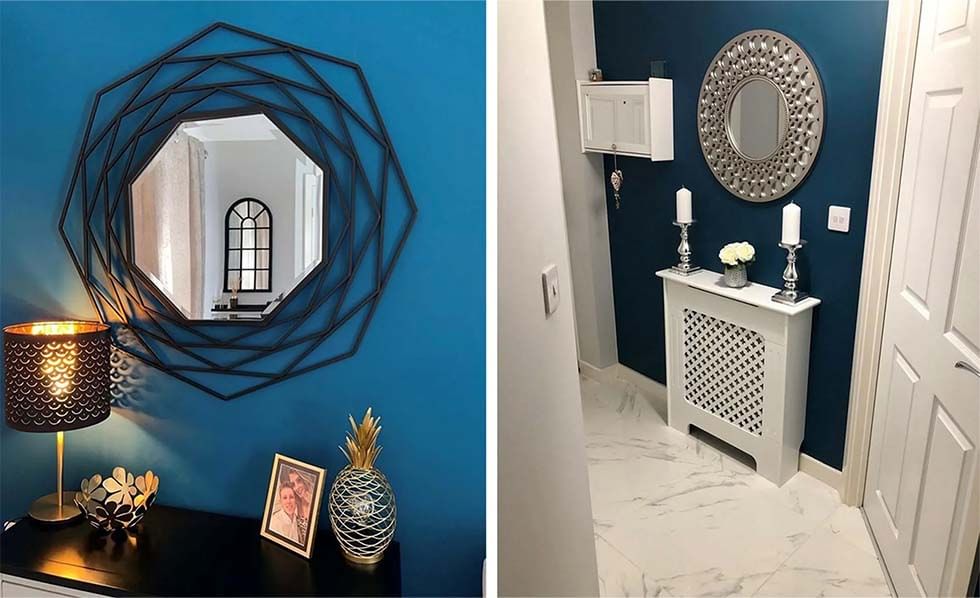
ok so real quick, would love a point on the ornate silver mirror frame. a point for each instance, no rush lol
(769, 55)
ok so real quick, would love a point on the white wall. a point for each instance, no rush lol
(264, 170)
(545, 537)
(571, 43)
(214, 234)
(301, 266)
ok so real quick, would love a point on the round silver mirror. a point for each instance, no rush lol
(757, 119)
(760, 115)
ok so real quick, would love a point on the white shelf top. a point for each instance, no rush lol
(642, 82)
(753, 293)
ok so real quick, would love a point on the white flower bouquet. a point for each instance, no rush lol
(734, 254)
(735, 257)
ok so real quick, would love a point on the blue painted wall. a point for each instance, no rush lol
(422, 362)
(845, 41)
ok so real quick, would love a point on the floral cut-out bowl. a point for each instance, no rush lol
(118, 502)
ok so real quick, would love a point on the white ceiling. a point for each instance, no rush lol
(254, 127)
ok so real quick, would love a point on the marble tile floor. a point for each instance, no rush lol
(674, 516)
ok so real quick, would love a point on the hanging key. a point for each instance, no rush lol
(616, 178)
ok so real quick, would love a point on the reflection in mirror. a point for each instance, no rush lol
(228, 217)
(757, 119)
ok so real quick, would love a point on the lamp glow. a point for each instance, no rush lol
(56, 379)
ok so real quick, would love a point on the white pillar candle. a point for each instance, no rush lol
(791, 224)
(684, 206)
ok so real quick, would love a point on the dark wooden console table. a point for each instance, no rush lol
(179, 552)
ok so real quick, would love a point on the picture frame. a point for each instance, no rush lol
(292, 504)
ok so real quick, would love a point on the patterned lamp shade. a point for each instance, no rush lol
(57, 375)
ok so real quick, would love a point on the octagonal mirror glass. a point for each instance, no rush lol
(228, 217)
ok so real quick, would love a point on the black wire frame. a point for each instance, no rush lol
(146, 324)
(241, 237)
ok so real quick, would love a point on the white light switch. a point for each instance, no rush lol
(552, 294)
(839, 219)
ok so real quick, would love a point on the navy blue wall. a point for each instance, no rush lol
(845, 41)
(421, 364)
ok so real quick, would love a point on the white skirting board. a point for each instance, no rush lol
(657, 391)
(618, 371)
(821, 471)
(596, 373)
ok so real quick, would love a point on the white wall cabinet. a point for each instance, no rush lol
(635, 116)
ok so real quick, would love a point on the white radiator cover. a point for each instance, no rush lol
(737, 365)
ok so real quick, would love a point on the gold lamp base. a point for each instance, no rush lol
(46, 509)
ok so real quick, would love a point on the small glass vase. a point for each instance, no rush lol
(736, 276)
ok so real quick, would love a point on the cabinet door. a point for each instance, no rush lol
(598, 119)
(632, 126)
(617, 114)
(14, 587)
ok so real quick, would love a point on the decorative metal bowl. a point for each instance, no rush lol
(118, 502)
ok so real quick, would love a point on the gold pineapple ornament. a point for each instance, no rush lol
(361, 501)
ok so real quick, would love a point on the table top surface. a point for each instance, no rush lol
(753, 293)
(180, 552)
(245, 307)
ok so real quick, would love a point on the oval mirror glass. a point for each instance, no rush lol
(228, 217)
(757, 119)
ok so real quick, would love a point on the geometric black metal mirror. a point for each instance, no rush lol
(364, 209)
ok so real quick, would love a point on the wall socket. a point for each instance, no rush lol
(552, 293)
(839, 219)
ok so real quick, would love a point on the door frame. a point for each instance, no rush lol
(901, 36)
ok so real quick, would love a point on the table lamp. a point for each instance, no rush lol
(57, 379)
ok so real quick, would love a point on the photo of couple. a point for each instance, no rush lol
(292, 505)
(291, 510)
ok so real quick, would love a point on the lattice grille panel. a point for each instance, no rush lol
(724, 370)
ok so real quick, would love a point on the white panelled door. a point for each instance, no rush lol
(922, 494)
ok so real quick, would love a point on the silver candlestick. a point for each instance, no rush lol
(789, 295)
(685, 266)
